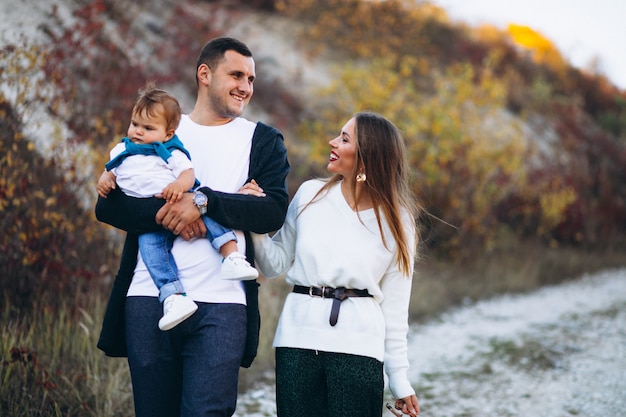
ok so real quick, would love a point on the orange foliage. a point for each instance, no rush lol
(543, 50)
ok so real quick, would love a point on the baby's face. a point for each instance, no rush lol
(145, 128)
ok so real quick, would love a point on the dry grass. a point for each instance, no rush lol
(49, 365)
(442, 284)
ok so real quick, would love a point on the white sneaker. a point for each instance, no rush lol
(235, 267)
(176, 309)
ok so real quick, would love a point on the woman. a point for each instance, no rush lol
(347, 246)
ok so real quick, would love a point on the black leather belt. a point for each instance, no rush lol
(337, 295)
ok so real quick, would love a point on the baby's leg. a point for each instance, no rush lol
(224, 240)
(234, 264)
(228, 248)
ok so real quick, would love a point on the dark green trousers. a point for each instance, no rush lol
(311, 383)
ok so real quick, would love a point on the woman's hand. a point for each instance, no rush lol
(408, 405)
(252, 188)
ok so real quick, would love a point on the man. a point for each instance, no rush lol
(192, 370)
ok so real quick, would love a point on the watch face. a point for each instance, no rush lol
(199, 199)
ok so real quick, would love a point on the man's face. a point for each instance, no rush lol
(231, 85)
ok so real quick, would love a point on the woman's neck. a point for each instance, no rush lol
(363, 199)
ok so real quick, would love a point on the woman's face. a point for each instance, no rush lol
(343, 151)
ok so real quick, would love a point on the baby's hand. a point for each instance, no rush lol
(172, 193)
(106, 183)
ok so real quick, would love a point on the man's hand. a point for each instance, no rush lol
(177, 216)
(194, 230)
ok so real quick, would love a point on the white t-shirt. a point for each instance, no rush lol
(220, 156)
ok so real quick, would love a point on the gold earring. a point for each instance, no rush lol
(361, 177)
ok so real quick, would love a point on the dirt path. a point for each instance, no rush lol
(558, 352)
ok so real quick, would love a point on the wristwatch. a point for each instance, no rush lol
(201, 201)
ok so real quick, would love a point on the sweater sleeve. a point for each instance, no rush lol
(131, 214)
(275, 255)
(396, 289)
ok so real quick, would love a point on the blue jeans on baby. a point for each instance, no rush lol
(156, 252)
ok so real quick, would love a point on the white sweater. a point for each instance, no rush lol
(327, 245)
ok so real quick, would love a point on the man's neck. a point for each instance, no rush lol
(208, 118)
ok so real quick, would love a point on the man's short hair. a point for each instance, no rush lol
(213, 51)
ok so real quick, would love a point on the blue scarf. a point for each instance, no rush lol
(164, 150)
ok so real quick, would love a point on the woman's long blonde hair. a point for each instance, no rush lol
(381, 155)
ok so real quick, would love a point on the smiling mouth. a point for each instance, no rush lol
(333, 157)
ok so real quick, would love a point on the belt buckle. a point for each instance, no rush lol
(323, 290)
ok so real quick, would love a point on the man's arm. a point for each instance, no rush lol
(268, 167)
(133, 215)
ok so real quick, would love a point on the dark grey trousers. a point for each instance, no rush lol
(311, 383)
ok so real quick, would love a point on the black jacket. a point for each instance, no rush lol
(268, 167)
